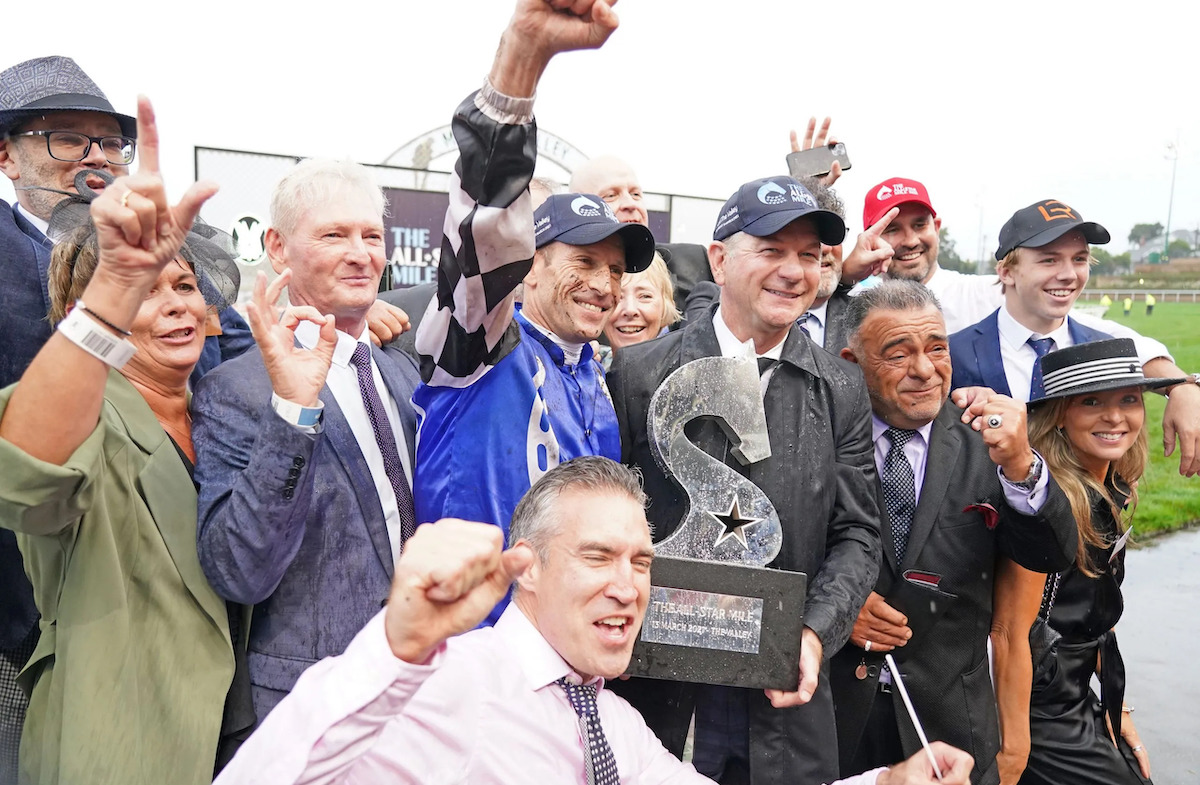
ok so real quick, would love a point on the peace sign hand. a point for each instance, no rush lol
(137, 231)
(871, 254)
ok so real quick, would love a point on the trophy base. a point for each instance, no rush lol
(720, 623)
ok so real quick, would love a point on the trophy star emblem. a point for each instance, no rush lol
(735, 525)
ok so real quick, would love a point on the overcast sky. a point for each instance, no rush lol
(992, 105)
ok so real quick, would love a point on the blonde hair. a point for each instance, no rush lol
(660, 277)
(72, 265)
(1051, 441)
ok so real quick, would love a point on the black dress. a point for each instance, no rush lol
(1070, 744)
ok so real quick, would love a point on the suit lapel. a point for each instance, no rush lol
(987, 352)
(169, 494)
(401, 390)
(1083, 334)
(42, 246)
(341, 439)
(944, 447)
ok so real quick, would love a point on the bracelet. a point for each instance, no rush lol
(79, 305)
(79, 328)
(1127, 709)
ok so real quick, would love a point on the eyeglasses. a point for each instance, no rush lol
(72, 146)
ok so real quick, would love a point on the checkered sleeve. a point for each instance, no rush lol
(488, 243)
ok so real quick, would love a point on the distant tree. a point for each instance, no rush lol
(948, 255)
(1140, 234)
(1179, 249)
(1106, 263)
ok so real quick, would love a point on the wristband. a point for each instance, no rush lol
(295, 414)
(81, 330)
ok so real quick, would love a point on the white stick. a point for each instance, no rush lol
(912, 714)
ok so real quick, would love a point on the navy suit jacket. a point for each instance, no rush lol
(290, 521)
(24, 302)
(975, 352)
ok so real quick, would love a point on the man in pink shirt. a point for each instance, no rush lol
(406, 705)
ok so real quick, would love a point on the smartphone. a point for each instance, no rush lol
(818, 161)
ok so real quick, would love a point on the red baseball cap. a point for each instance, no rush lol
(891, 193)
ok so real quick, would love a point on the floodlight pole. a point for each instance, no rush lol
(1173, 148)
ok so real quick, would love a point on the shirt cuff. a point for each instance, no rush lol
(503, 108)
(1021, 500)
(306, 419)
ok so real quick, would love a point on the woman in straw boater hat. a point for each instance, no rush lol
(1089, 428)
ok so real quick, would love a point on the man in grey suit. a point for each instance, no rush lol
(954, 502)
(306, 487)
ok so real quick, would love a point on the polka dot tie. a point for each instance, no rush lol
(386, 440)
(600, 767)
(1042, 347)
(899, 489)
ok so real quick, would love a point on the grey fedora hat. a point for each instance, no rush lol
(52, 84)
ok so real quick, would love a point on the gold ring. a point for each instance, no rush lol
(125, 198)
(867, 646)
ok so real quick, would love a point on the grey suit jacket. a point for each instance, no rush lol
(952, 544)
(290, 521)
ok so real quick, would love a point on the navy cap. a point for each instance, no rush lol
(584, 219)
(763, 207)
(1044, 222)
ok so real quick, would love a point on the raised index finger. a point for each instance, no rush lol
(879, 226)
(147, 140)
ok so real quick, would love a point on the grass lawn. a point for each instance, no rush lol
(1167, 500)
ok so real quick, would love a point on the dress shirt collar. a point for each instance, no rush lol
(879, 428)
(1016, 334)
(539, 662)
(307, 333)
(731, 346)
(818, 312)
(42, 226)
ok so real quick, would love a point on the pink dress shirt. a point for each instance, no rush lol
(485, 709)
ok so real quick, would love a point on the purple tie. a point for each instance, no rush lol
(386, 440)
(1041, 347)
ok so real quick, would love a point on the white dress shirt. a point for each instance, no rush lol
(917, 453)
(484, 709)
(732, 347)
(816, 323)
(343, 383)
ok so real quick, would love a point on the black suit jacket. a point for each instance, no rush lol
(414, 300)
(821, 478)
(688, 264)
(837, 334)
(945, 664)
(24, 303)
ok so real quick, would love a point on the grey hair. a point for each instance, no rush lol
(537, 518)
(314, 181)
(827, 198)
(892, 294)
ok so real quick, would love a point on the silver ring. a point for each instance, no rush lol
(1139, 748)
(994, 421)
(867, 646)
(125, 198)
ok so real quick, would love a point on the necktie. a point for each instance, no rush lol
(386, 440)
(598, 762)
(1042, 347)
(803, 322)
(766, 367)
(899, 489)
